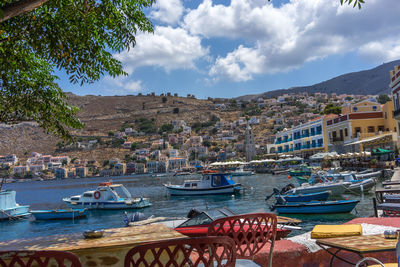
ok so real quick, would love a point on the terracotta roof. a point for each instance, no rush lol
(315, 119)
(331, 116)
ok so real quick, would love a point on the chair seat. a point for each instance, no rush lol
(327, 231)
(386, 265)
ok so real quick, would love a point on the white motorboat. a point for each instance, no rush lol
(376, 174)
(210, 183)
(107, 196)
(356, 185)
(9, 209)
(336, 188)
(241, 172)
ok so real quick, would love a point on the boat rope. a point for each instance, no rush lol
(11, 217)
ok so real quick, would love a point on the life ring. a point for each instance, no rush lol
(96, 195)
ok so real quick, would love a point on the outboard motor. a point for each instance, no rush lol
(287, 188)
(192, 213)
(135, 217)
(138, 216)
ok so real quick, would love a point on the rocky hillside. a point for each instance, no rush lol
(368, 82)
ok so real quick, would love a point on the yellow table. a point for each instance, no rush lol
(110, 250)
(357, 244)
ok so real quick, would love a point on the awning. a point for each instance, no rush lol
(381, 151)
(369, 139)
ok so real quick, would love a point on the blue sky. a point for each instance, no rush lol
(232, 48)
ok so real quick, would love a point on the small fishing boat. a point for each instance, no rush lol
(302, 179)
(241, 172)
(107, 196)
(356, 185)
(9, 209)
(59, 214)
(376, 174)
(304, 170)
(336, 188)
(210, 183)
(316, 207)
(321, 196)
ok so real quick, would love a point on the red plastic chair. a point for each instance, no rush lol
(46, 258)
(198, 251)
(251, 232)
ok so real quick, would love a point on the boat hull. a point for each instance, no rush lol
(59, 214)
(335, 188)
(180, 191)
(321, 196)
(376, 174)
(362, 186)
(111, 205)
(15, 212)
(301, 180)
(318, 207)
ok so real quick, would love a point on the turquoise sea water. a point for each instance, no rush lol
(49, 194)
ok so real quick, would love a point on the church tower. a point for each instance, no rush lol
(249, 147)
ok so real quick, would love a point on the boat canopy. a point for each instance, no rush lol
(207, 216)
(7, 199)
(221, 179)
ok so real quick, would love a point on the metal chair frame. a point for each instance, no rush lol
(44, 258)
(249, 231)
(198, 251)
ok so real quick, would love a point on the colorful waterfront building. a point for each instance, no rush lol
(362, 126)
(303, 140)
(395, 86)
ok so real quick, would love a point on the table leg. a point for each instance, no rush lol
(334, 255)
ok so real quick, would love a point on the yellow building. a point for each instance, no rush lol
(362, 126)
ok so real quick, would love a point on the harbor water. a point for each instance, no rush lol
(49, 194)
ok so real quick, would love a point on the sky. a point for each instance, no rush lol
(231, 48)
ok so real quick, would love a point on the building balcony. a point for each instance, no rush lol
(305, 135)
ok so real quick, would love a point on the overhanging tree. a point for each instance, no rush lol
(78, 36)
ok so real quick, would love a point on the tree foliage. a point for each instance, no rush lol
(383, 98)
(332, 108)
(77, 36)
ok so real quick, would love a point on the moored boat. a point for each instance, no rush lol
(336, 188)
(321, 196)
(302, 179)
(304, 170)
(107, 196)
(210, 183)
(316, 207)
(59, 214)
(197, 222)
(9, 209)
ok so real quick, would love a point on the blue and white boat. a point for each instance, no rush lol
(9, 209)
(107, 196)
(59, 214)
(316, 207)
(210, 183)
(321, 196)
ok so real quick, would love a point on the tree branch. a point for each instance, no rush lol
(20, 7)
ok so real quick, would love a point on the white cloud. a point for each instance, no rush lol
(122, 85)
(278, 39)
(168, 48)
(382, 51)
(168, 11)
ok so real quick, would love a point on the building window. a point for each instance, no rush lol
(374, 107)
(357, 130)
(381, 128)
(346, 132)
(355, 108)
(371, 129)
